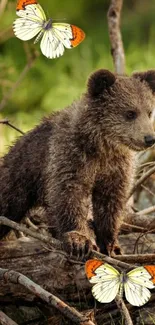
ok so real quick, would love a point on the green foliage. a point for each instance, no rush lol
(53, 84)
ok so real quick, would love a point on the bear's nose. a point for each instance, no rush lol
(149, 140)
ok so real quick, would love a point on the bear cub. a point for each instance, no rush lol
(78, 164)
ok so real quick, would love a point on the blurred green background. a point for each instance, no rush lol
(53, 84)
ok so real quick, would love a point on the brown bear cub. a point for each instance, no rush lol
(78, 163)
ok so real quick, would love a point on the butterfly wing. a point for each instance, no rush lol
(106, 291)
(141, 276)
(55, 37)
(69, 35)
(21, 4)
(91, 266)
(32, 12)
(50, 45)
(106, 279)
(136, 292)
(30, 23)
(151, 270)
(25, 29)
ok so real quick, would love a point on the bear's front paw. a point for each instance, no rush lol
(110, 249)
(114, 249)
(77, 244)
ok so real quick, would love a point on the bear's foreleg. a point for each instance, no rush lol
(70, 210)
(108, 204)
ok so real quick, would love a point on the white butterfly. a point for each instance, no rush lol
(55, 36)
(109, 282)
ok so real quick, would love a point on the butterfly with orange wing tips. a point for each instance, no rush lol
(55, 36)
(109, 282)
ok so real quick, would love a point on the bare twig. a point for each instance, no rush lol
(137, 258)
(17, 83)
(57, 244)
(5, 320)
(147, 164)
(117, 49)
(46, 239)
(132, 228)
(123, 309)
(140, 219)
(146, 211)
(127, 227)
(3, 4)
(121, 261)
(148, 190)
(52, 300)
(142, 179)
(6, 122)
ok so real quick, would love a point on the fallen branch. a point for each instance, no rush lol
(126, 227)
(56, 243)
(123, 309)
(5, 320)
(146, 211)
(137, 258)
(138, 219)
(51, 269)
(16, 226)
(142, 180)
(6, 122)
(121, 261)
(52, 300)
(117, 50)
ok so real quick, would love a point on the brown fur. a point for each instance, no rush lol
(78, 163)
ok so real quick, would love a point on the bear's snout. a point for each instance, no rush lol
(149, 140)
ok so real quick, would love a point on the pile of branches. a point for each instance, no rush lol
(40, 284)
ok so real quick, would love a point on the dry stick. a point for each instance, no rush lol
(145, 211)
(69, 312)
(57, 244)
(5, 320)
(6, 122)
(119, 260)
(16, 226)
(147, 190)
(3, 4)
(138, 220)
(124, 311)
(137, 258)
(127, 227)
(117, 49)
(17, 83)
(141, 180)
(132, 228)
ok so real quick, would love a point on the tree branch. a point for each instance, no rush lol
(5, 320)
(142, 180)
(58, 245)
(6, 122)
(52, 300)
(117, 50)
(123, 309)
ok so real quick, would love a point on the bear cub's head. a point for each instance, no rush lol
(122, 107)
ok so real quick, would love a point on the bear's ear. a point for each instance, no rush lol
(148, 76)
(99, 81)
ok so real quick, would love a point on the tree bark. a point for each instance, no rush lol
(117, 50)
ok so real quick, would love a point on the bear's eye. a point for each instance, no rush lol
(131, 115)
